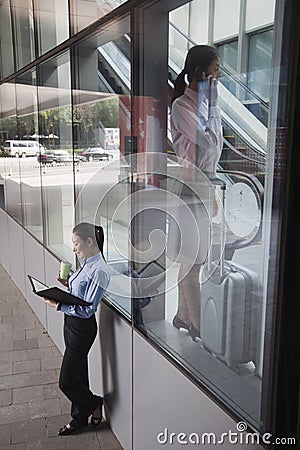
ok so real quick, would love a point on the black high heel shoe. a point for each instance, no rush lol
(194, 332)
(178, 323)
(97, 420)
(70, 428)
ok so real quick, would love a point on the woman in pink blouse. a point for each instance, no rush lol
(197, 139)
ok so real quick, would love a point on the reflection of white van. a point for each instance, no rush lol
(22, 148)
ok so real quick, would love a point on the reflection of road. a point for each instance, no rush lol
(29, 167)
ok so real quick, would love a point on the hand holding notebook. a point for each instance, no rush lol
(55, 293)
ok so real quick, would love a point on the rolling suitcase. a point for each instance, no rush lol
(230, 312)
(230, 320)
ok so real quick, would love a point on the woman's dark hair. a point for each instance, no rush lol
(85, 230)
(197, 61)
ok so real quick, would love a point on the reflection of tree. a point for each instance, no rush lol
(88, 118)
(9, 127)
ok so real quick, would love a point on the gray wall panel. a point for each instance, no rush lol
(34, 265)
(16, 252)
(4, 254)
(54, 318)
(164, 398)
(116, 351)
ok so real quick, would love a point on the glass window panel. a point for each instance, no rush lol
(226, 19)
(23, 25)
(52, 23)
(266, 13)
(179, 22)
(102, 126)
(199, 15)
(6, 47)
(55, 129)
(83, 12)
(27, 112)
(207, 301)
(260, 58)
(10, 166)
(228, 55)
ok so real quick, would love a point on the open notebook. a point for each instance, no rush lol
(55, 293)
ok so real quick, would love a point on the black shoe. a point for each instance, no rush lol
(97, 420)
(178, 323)
(194, 332)
(70, 428)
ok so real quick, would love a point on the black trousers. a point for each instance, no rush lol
(79, 335)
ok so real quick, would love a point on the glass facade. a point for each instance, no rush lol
(100, 109)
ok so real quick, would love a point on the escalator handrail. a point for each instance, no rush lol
(231, 75)
(235, 150)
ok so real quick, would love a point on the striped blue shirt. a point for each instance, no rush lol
(89, 283)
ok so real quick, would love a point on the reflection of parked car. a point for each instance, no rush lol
(58, 156)
(97, 153)
(22, 148)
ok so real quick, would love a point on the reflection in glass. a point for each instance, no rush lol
(10, 167)
(102, 122)
(83, 13)
(27, 112)
(55, 129)
(6, 46)
(52, 23)
(23, 32)
(226, 353)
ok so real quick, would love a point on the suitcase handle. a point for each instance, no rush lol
(216, 182)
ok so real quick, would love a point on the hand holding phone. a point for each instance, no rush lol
(213, 92)
(208, 86)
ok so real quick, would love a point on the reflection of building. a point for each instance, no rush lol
(123, 64)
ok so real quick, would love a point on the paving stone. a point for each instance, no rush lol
(27, 430)
(4, 435)
(56, 352)
(6, 397)
(6, 369)
(45, 377)
(55, 443)
(44, 408)
(6, 309)
(6, 345)
(33, 365)
(14, 447)
(27, 379)
(40, 353)
(5, 326)
(45, 341)
(24, 345)
(20, 322)
(65, 405)
(53, 363)
(13, 413)
(107, 439)
(36, 333)
(14, 335)
(34, 393)
(85, 440)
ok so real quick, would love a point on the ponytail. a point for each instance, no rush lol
(179, 86)
(99, 234)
